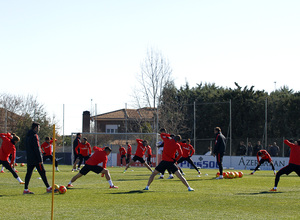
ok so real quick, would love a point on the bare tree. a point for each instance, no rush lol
(18, 112)
(154, 75)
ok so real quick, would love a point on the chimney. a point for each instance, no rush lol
(86, 121)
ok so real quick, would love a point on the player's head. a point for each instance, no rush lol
(78, 135)
(107, 150)
(120, 146)
(47, 139)
(188, 140)
(145, 142)
(259, 153)
(217, 129)
(84, 140)
(35, 126)
(15, 139)
(177, 138)
(298, 142)
(162, 130)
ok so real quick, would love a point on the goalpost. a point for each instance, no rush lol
(114, 140)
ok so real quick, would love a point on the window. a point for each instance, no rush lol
(111, 128)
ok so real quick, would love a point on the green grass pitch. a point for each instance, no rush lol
(91, 198)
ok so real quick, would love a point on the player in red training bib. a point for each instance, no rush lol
(187, 152)
(46, 149)
(129, 149)
(294, 162)
(169, 158)
(97, 164)
(140, 151)
(265, 157)
(8, 148)
(84, 152)
(122, 152)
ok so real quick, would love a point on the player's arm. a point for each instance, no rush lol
(257, 157)
(90, 150)
(179, 151)
(36, 148)
(77, 149)
(193, 150)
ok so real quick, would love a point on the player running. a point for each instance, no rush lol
(171, 147)
(8, 148)
(294, 163)
(46, 149)
(188, 151)
(140, 151)
(92, 164)
(265, 156)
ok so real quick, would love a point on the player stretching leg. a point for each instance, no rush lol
(140, 151)
(294, 163)
(265, 156)
(100, 156)
(8, 148)
(171, 147)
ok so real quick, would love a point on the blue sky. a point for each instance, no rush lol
(71, 52)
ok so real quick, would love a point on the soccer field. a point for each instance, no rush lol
(91, 198)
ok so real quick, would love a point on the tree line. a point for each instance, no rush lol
(17, 114)
(207, 105)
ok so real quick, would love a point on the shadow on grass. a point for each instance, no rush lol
(130, 192)
(258, 193)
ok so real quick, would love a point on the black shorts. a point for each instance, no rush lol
(123, 156)
(264, 160)
(87, 168)
(290, 168)
(163, 165)
(135, 158)
(83, 157)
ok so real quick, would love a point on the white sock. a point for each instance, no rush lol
(2, 168)
(19, 179)
(70, 182)
(275, 187)
(110, 182)
(49, 187)
(147, 187)
(171, 175)
(161, 175)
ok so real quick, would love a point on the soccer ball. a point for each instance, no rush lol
(56, 188)
(217, 174)
(62, 189)
(241, 174)
(236, 174)
(231, 175)
(16, 164)
(22, 164)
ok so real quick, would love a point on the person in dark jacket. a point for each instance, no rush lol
(219, 149)
(75, 152)
(34, 158)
